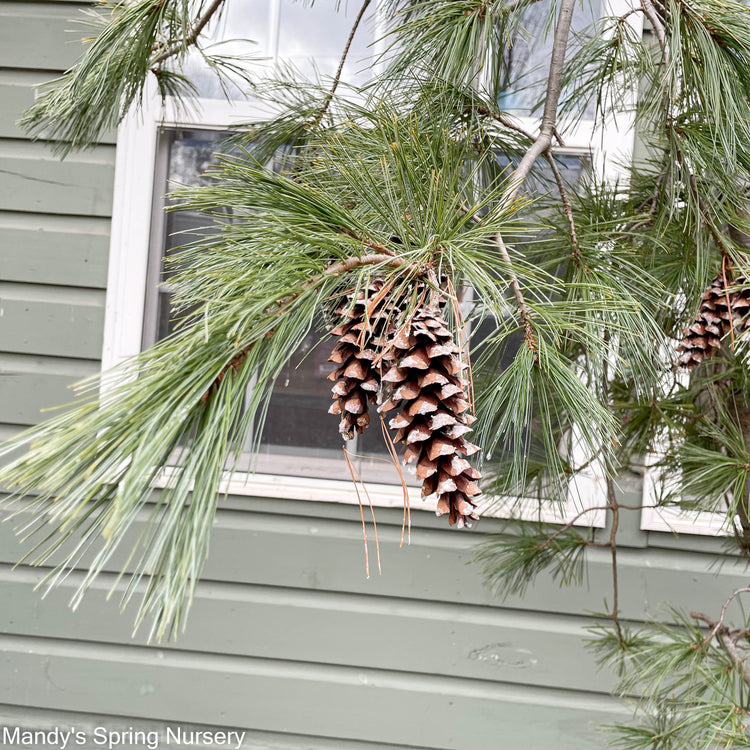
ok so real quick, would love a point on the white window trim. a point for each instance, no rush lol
(611, 146)
(676, 520)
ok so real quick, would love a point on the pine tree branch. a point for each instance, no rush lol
(658, 27)
(567, 208)
(192, 38)
(549, 116)
(728, 637)
(523, 311)
(329, 97)
(538, 147)
(615, 510)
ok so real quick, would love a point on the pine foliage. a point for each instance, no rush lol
(618, 311)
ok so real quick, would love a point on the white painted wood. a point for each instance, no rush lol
(392, 496)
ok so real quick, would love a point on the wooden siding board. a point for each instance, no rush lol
(60, 322)
(322, 554)
(30, 384)
(50, 249)
(56, 39)
(376, 632)
(320, 700)
(33, 179)
(17, 94)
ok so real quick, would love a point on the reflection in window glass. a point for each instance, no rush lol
(319, 34)
(298, 34)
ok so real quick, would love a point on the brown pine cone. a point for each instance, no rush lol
(719, 312)
(361, 337)
(427, 387)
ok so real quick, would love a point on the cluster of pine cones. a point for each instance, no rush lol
(413, 360)
(719, 313)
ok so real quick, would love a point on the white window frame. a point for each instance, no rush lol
(610, 146)
(675, 520)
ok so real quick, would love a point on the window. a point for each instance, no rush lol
(165, 142)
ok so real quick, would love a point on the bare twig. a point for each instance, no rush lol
(615, 510)
(580, 515)
(658, 27)
(549, 116)
(502, 119)
(191, 38)
(570, 524)
(329, 97)
(728, 637)
(523, 311)
(567, 208)
(718, 624)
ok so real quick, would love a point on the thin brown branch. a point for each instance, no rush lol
(567, 208)
(728, 637)
(486, 112)
(570, 524)
(372, 244)
(718, 624)
(502, 119)
(349, 264)
(615, 510)
(693, 182)
(580, 515)
(191, 38)
(658, 27)
(329, 97)
(523, 310)
(549, 116)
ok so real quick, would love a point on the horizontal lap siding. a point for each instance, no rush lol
(54, 226)
(286, 637)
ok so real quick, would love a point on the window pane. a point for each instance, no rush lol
(304, 36)
(320, 33)
(299, 437)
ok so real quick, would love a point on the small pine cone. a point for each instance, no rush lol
(357, 379)
(426, 385)
(713, 321)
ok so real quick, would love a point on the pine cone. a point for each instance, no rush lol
(719, 312)
(361, 338)
(427, 386)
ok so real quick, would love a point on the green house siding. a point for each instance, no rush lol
(287, 639)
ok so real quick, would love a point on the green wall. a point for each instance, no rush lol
(287, 639)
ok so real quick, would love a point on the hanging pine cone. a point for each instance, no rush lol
(427, 386)
(719, 312)
(361, 338)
